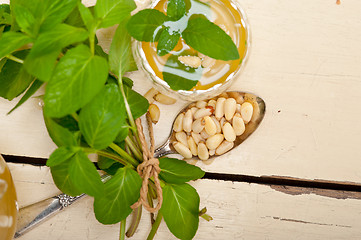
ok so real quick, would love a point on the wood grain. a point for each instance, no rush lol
(240, 211)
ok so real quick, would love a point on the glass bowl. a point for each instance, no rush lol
(212, 91)
(8, 203)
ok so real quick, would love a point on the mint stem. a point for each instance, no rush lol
(18, 60)
(133, 148)
(155, 226)
(137, 214)
(114, 157)
(122, 229)
(123, 154)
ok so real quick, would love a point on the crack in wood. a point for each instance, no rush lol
(307, 222)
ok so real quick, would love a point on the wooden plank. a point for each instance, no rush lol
(305, 63)
(240, 211)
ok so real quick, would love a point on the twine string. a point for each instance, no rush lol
(148, 168)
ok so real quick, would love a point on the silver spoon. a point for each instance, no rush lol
(31, 216)
(167, 147)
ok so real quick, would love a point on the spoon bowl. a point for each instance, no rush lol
(259, 107)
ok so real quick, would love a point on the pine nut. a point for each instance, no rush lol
(187, 121)
(246, 111)
(196, 137)
(219, 112)
(219, 129)
(178, 123)
(202, 113)
(154, 113)
(212, 152)
(238, 124)
(256, 112)
(229, 108)
(194, 110)
(201, 104)
(209, 126)
(228, 132)
(182, 150)
(240, 99)
(222, 121)
(197, 126)
(214, 141)
(191, 61)
(234, 95)
(204, 134)
(192, 145)
(224, 147)
(202, 151)
(208, 62)
(182, 138)
(212, 103)
(238, 108)
(150, 95)
(223, 95)
(163, 99)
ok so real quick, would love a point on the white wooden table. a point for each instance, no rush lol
(306, 64)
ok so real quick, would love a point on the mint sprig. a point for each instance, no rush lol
(89, 109)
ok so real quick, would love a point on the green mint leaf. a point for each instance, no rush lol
(180, 210)
(74, 18)
(11, 41)
(121, 191)
(14, 78)
(128, 82)
(178, 171)
(77, 78)
(123, 133)
(5, 14)
(138, 104)
(62, 180)
(60, 135)
(111, 12)
(42, 58)
(86, 16)
(30, 92)
(102, 118)
(209, 39)
(100, 52)
(109, 165)
(33, 18)
(143, 25)
(185, 81)
(84, 175)
(176, 9)
(167, 41)
(60, 155)
(120, 54)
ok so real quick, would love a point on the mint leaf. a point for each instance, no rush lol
(14, 79)
(167, 41)
(42, 58)
(101, 119)
(84, 175)
(177, 81)
(180, 210)
(113, 11)
(25, 18)
(60, 174)
(178, 171)
(5, 16)
(137, 103)
(143, 25)
(60, 135)
(121, 191)
(60, 155)
(77, 78)
(120, 54)
(86, 16)
(31, 90)
(176, 9)
(11, 41)
(209, 39)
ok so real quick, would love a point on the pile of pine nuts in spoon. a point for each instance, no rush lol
(213, 127)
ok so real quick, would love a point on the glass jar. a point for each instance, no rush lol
(232, 19)
(8, 203)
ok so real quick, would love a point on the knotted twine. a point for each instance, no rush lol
(148, 168)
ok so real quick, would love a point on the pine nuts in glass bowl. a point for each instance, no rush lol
(217, 76)
(213, 127)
